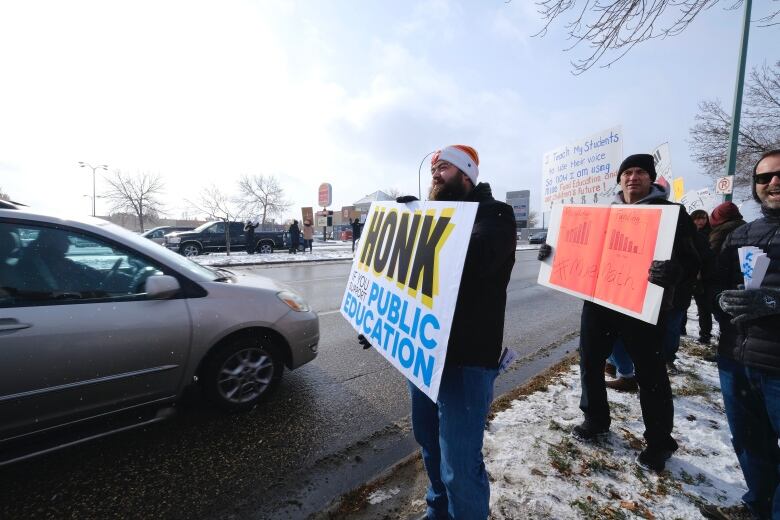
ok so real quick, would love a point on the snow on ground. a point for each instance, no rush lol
(320, 251)
(538, 470)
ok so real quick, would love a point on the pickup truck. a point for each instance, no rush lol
(210, 237)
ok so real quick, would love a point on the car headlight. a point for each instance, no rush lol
(173, 240)
(293, 301)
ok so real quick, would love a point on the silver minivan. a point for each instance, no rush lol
(102, 330)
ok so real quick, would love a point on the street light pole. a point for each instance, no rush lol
(93, 168)
(419, 190)
(731, 163)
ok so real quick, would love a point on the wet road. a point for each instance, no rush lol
(201, 464)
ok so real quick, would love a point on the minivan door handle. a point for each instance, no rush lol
(11, 325)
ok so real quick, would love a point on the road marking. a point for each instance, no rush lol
(325, 313)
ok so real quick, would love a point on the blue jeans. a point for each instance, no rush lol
(450, 433)
(752, 399)
(671, 344)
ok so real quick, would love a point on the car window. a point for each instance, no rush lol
(219, 227)
(61, 265)
(236, 228)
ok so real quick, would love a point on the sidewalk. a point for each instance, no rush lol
(321, 252)
(537, 470)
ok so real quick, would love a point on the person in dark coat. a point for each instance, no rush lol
(295, 237)
(749, 346)
(450, 431)
(725, 218)
(356, 227)
(704, 288)
(601, 326)
(249, 234)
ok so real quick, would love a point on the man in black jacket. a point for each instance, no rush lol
(749, 346)
(450, 430)
(600, 327)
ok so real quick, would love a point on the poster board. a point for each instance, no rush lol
(602, 254)
(582, 171)
(404, 281)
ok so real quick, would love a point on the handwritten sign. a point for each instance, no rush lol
(662, 158)
(602, 254)
(583, 171)
(753, 263)
(403, 286)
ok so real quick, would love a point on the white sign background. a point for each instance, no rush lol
(415, 344)
(583, 171)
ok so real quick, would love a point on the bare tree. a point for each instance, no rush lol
(262, 195)
(615, 27)
(217, 205)
(4, 195)
(393, 192)
(759, 130)
(137, 194)
(533, 219)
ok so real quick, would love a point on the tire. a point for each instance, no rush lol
(190, 249)
(264, 248)
(242, 372)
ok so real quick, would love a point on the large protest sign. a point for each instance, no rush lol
(602, 254)
(662, 158)
(583, 171)
(404, 282)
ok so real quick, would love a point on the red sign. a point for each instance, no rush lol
(325, 196)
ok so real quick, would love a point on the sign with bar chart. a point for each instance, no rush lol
(602, 254)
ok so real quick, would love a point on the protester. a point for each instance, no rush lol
(600, 327)
(704, 288)
(450, 431)
(295, 237)
(249, 235)
(308, 235)
(749, 347)
(725, 218)
(355, 232)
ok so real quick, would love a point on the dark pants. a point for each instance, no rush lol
(250, 243)
(599, 329)
(704, 299)
(752, 400)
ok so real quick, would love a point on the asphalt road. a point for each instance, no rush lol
(325, 424)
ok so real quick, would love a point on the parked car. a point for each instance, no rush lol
(158, 234)
(539, 237)
(210, 237)
(346, 235)
(98, 339)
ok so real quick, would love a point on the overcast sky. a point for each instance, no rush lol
(350, 92)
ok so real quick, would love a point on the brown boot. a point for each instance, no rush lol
(623, 384)
(610, 369)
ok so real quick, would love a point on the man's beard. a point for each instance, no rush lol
(452, 189)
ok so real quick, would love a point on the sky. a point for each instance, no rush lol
(355, 94)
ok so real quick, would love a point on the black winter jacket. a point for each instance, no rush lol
(477, 329)
(719, 233)
(755, 343)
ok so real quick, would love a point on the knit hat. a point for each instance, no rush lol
(639, 160)
(723, 213)
(462, 156)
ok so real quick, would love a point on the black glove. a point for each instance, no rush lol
(664, 273)
(363, 341)
(545, 250)
(749, 304)
(406, 198)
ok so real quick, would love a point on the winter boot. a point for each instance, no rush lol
(623, 384)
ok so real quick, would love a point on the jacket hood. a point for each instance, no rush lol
(723, 213)
(656, 192)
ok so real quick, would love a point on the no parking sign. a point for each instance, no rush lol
(725, 185)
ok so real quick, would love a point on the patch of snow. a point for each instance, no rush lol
(538, 470)
(380, 495)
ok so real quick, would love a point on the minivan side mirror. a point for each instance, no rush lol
(161, 287)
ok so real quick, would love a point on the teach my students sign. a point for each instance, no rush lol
(603, 253)
(404, 282)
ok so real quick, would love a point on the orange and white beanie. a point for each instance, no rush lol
(462, 156)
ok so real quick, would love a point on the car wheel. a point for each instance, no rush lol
(264, 248)
(242, 372)
(190, 249)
